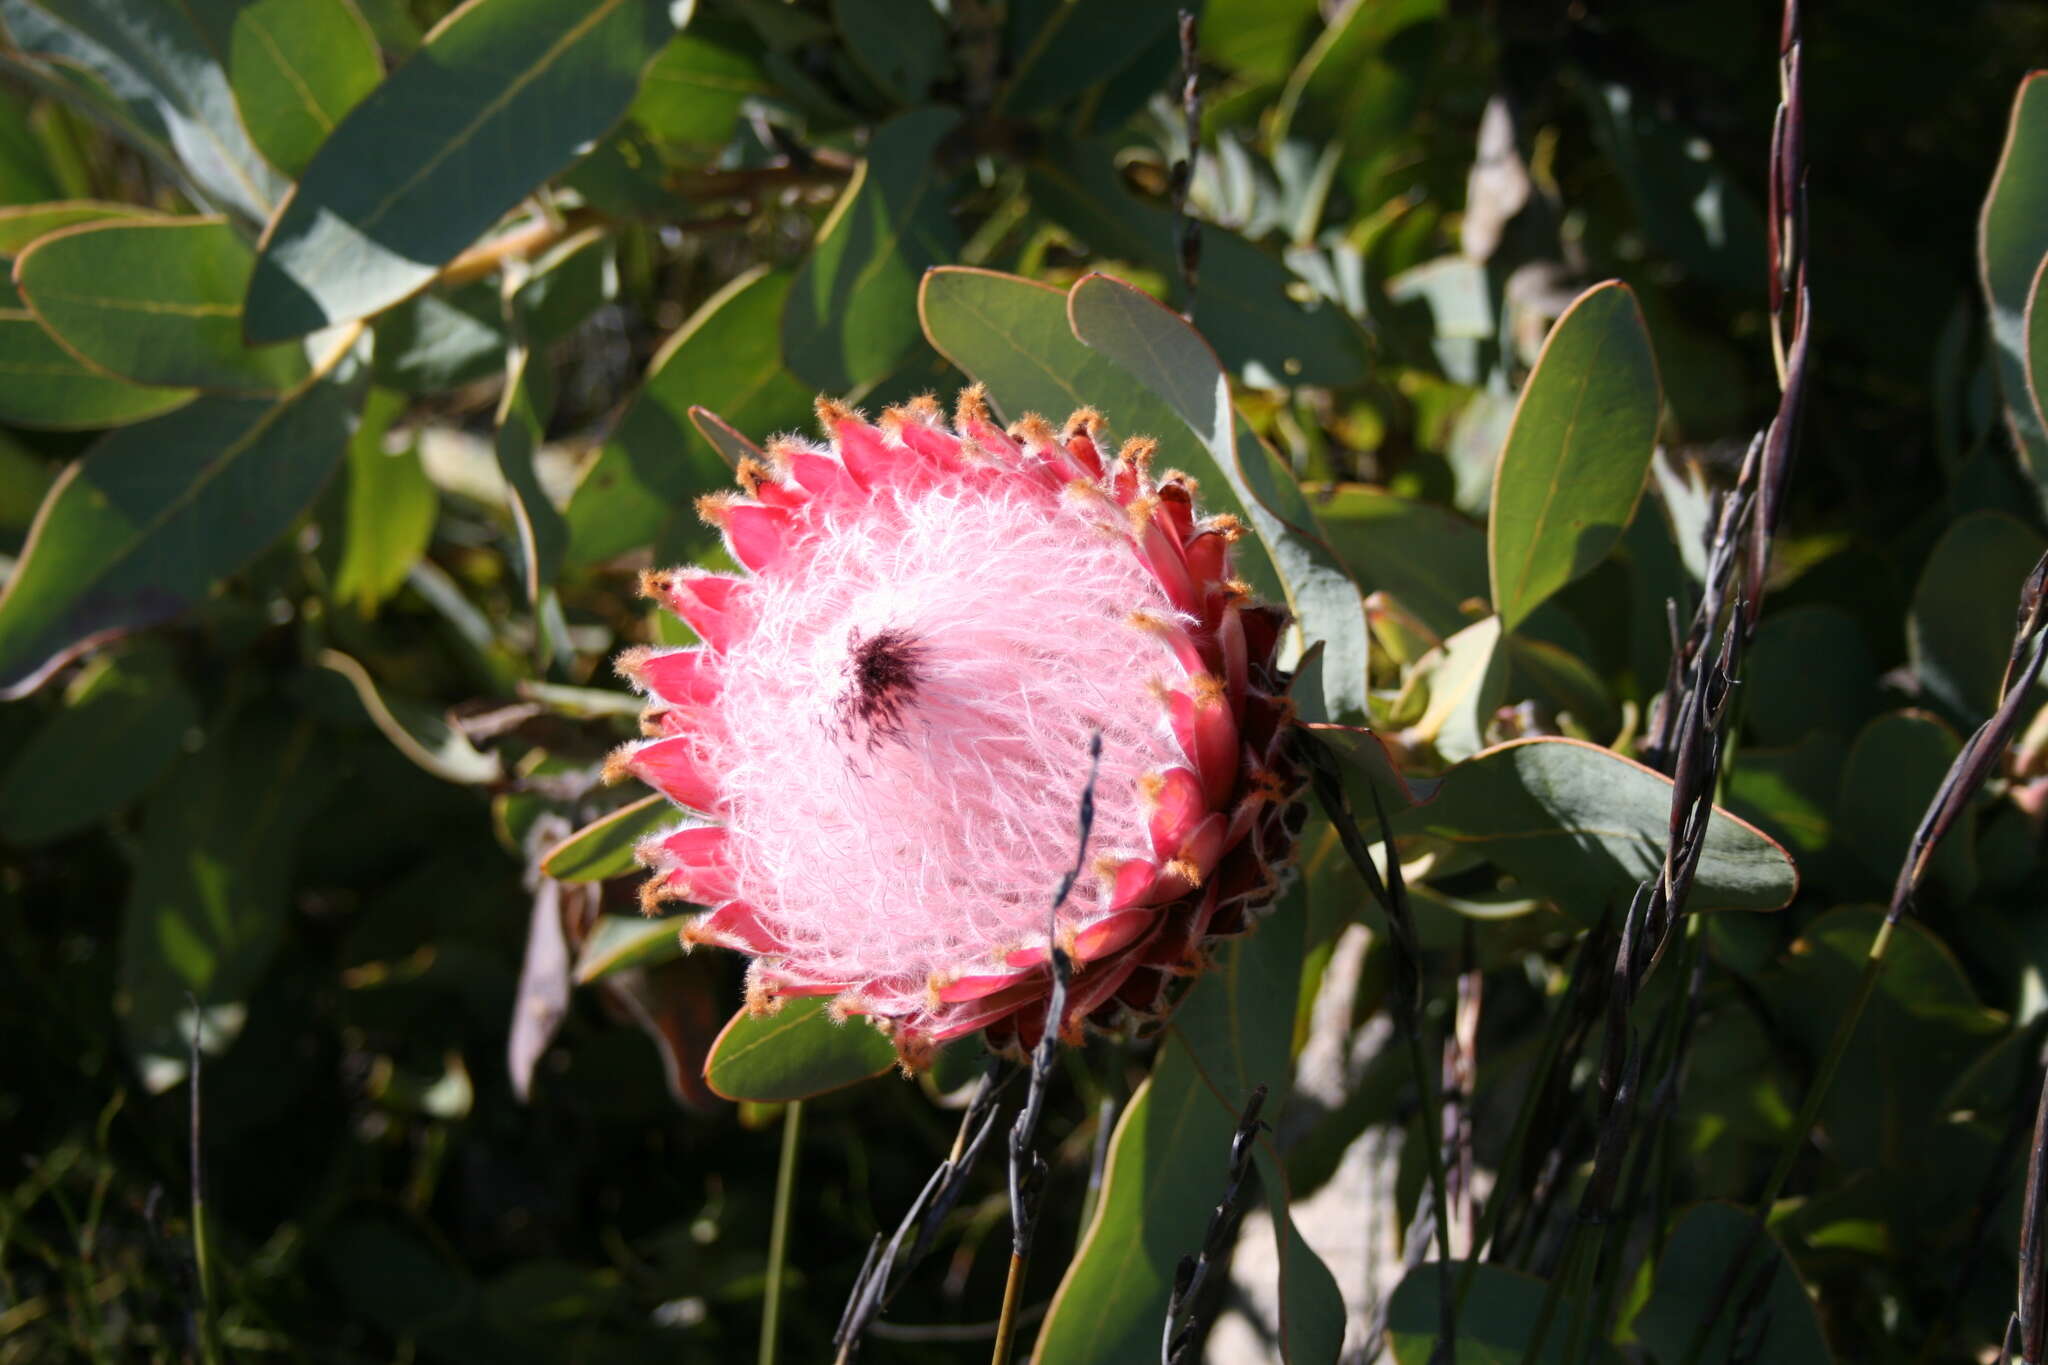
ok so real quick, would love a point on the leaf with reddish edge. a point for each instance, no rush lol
(1169, 1155)
(604, 847)
(2012, 238)
(794, 1053)
(1572, 821)
(1171, 359)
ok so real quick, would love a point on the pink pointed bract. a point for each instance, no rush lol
(881, 742)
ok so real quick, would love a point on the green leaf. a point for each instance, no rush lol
(643, 485)
(503, 94)
(1169, 1155)
(564, 287)
(296, 67)
(44, 385)
(1428, 558)
(210, 899)
(900, 44)
(1809, 671)
(22, 223)
(1894, 768)
(1065, 46)
(851, 314)
(162, 69)
(1495, 1326)
(2012, 239)
(155, 514)
(1767, 1315)
(420, 732)
(620, 941)
(154, 301)
(1171, 360)
(1246, 305)
(2036, 328)
(1577, 452)
(124, 722)
(1571, 820)
(1791, 792)
(1959, 627)
(391, 509)
(691, 95)
(604, 847)
(794, 1053)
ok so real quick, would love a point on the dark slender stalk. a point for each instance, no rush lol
(2033, 1295)
(1182, 178)
(1184, 1322)
(1028, 1170)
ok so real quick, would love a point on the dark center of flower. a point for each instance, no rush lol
(882, 672)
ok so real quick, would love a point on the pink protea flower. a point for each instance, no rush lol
(883, 736)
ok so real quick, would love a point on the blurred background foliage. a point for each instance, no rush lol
(345, 386)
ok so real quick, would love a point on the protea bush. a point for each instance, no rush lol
(882, 737)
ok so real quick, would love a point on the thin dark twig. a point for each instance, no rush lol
(882, 1273)
(1176, 1347)
(1182, 177)
(1027, 1168)
(2033, 1284)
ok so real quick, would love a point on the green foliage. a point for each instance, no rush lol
(357, 355)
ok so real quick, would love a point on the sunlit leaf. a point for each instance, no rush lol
(503, 94)
(604, 847)
(154, 301)
(794, 1053)
(1577, 453)
(296, 66)
(421, 733)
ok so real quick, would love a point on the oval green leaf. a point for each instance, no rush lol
(44, 385)
(1959, 627)
(154, 301)
(296, 67)
(155, 514)
(1571, 820)
(1577, 452)
(2012, 239)
(421, 733)
(1428, 558)
(604, 847)
(794, 1053)
(503, 94)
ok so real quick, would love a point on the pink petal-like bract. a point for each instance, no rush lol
(882, 740)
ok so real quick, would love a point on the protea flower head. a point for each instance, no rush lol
(881, 741)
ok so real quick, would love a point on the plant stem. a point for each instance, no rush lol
(778, 1231)
(1006, 1326)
